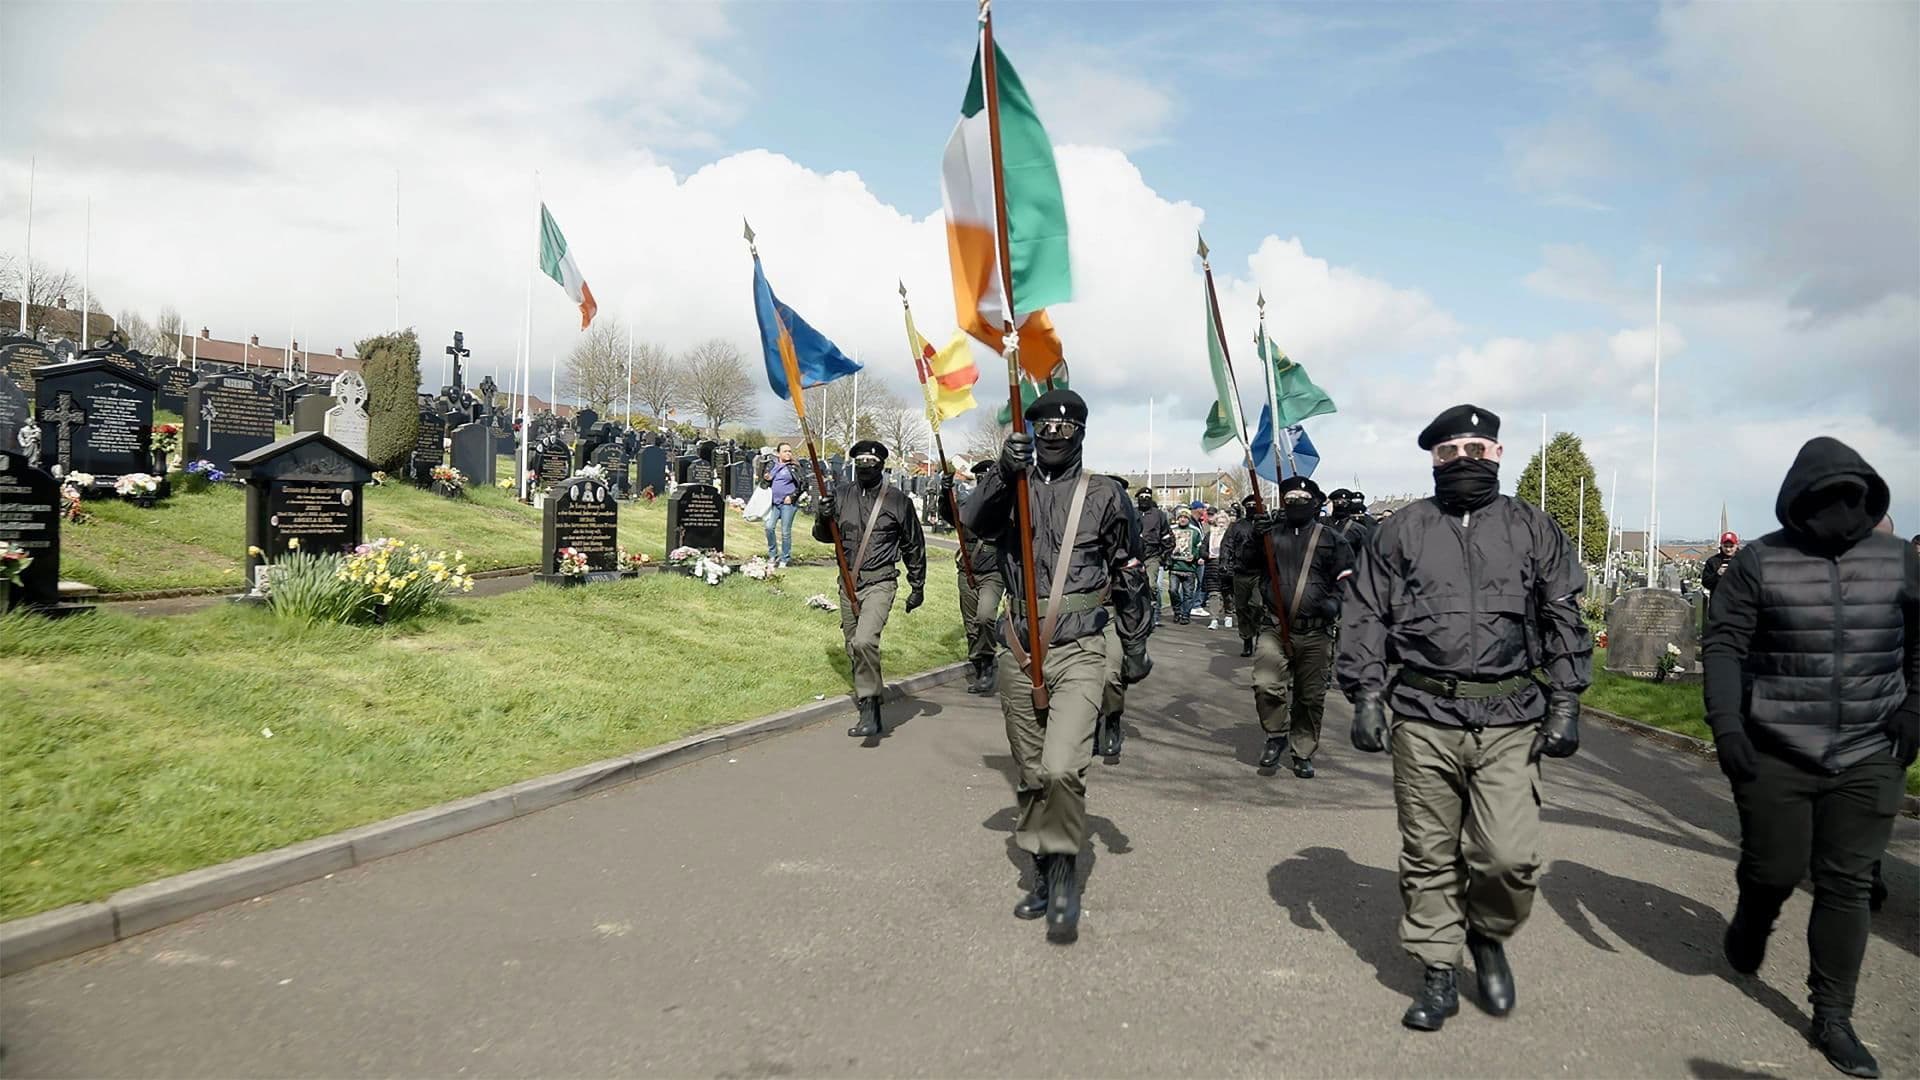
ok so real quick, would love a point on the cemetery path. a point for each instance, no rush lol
(809, 905)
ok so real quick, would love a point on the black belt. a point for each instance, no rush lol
(1451, 686)
(1310, 624)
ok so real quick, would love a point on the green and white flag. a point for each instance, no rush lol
(1223, 420)
(1297, 396)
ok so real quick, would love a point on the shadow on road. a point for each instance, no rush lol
(1677, 932)
(1322, 888)
(1704, 1069)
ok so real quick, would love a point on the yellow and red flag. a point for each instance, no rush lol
(947, 375)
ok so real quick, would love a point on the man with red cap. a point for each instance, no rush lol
(1717, 564)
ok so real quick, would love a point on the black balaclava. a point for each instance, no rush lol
(867, 476)
(1466, 484)
(1834, 514)
(1056, 456)
(1144, 500)
(1298, 513)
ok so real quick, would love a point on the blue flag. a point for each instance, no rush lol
(815, 358)
(1298, 454)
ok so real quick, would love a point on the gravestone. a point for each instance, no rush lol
(281, 388)
(14, 411)
(552, 463)
(310, 413)
(653, 468)
(613, 460)
(20, 355)
(30, 519)
(346, 421)
(95, 417)
(1640, 626)
(581, 514)
(682, 465)
(308, 488)
(175, 382)
(697, 518)
(473, 453)
(741, 485)
(227, 416)
(584, 420)
(429, 446)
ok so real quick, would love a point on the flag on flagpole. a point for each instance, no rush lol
(1223, 420)
(1298, 454)
(790, 345)
(557, 261)
(1298, 398)
(947, 374)
(1036, 221)
(1030, 392)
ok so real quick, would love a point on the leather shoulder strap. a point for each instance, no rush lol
(866, 534)
(1063, 559)
(1306, 567)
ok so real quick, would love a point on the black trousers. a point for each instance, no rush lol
(1795, 822)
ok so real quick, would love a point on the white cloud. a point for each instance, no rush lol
(1091, 100)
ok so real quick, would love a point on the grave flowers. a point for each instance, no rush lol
(572, 563)
(14, 561)
(1669, 663)
(759, 569)
(699, 564)
(381, 582)
(166, 443)
(70, 505)
(448, 481)
(632, 561)
(138, 487)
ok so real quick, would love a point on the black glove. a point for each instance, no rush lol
(1904, 728)
(946, 486)
(1369, 722)
(917, 597)
(1737, 757)
(824, 505)
(1016, 454)
(1560, 732)
(1135, 665)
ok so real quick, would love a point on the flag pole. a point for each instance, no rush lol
(797, 394)
(629, 364)
(1543, 461)
(26, 290)
(1653, 488)
(86, 277)
(1036, 649)
(1253, 477)
(526, 382)
(1273, 399)
(921, 368)
(1149, 444)
(1580, 541)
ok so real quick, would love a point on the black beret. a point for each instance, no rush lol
(868, 446)
(1061, 404)
(1297, 482)
(1338, 494)
(1145, 494)
(1357, 496)
(1458, 423)
(1248, 501)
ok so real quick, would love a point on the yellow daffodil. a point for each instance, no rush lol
(255, 552)
(293, 544)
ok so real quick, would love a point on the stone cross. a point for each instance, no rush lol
(488, 388)
(65, 416)
(458, 350)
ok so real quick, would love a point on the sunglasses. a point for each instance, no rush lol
(868, 460)
(1055, 429)
(1296, 497)
(1476, 449)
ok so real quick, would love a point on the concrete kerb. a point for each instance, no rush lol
(51, 935)
(1910, 804)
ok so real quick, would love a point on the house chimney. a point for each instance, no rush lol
(338, 351)
(254, 341)
(61, 303)
(295, 347)
(206, 333)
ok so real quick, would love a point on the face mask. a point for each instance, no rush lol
(1055, 455)
(1298, 514)
(867, 475)
(1465, 484)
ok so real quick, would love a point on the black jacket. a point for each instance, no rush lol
(1356, 529)
(1156, 533)
(897, 537)
(1485, 596)
(1332, 558)
(1811, 641)
(1716, 565)
(1239, 549)
(1105, 541)
(985, 557)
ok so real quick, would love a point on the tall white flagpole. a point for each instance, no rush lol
(526, 384)
(1613, 526)
(26, 290)
(86, 277)
(1653, 488)
(396, 249)
(629, 365)
(1149, 443)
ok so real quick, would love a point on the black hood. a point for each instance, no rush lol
(1813, 502)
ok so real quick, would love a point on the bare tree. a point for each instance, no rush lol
(656, 380)
(134, 325)
(983, 439)
(830, 410)
(168, 329)
(902, 427)
(41, 284)
(596, 370)
(717, 383)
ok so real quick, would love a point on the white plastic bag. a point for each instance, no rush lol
(761, 502)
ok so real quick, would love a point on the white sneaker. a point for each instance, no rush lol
(1229, 622)
(1198, 611)
(1214, 625)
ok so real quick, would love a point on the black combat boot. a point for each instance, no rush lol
(1303, 768)
(976, 675)
(1877, 891)
(1438, 999)
(869, 724)
(1833, 1036)
(1270, 757)
(1246, 646)
(1115, 736)
(989, 675)
(1491, 969)
(1063, 900)
(1034, 904)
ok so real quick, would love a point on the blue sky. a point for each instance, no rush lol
(1443, 202)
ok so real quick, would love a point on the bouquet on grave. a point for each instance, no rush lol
(166, 440)
(70, 510)
(14, 561)
(448, 480)
(594, 472)
(682, 557)
(211, 473)
(134, 485)
(632, 561)
(570, 562)
(759, 568)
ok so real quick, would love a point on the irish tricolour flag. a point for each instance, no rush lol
(557, 261)
(1036, 220)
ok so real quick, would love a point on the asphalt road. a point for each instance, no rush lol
(813, 905)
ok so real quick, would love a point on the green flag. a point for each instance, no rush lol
(1030, 392)
(1223, 420)
(1299, 398)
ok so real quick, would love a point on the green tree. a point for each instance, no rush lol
(391, 366)
(1567, 466)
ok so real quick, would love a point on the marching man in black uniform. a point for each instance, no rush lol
(1086, 518)
(1290, 672)
(1469, 592)
(980, 591)
(878, 526)
(1347, 515)
(1239, 552)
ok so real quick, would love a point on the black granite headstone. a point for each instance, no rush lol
(19, 356)
(227, 416)
(613, 461)
(551, 464)
(175, 383)
(584, 420)
(30, 519)
(474, 453)
(14, 410)
(697, 518)
(581, 514)
(306, 488)
(653, 469)
(429, 446)
(95, 417)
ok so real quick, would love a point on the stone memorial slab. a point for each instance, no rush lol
(584, 420)
(175, 383)
(1640, 626)
(95, 417)
(310, 413)
(15, 409)
(19, 356)
(697, 518)
(30, 519)
(653, 469)
(552, 463)
(580, 513)
(474, 453)
(307, 488)
(429, 446)
(740, 483)
(227, 416)
(346, 422)
(613, 461)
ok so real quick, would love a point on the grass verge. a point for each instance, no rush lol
(1670, 705)
(199, 539)
(136, 748)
